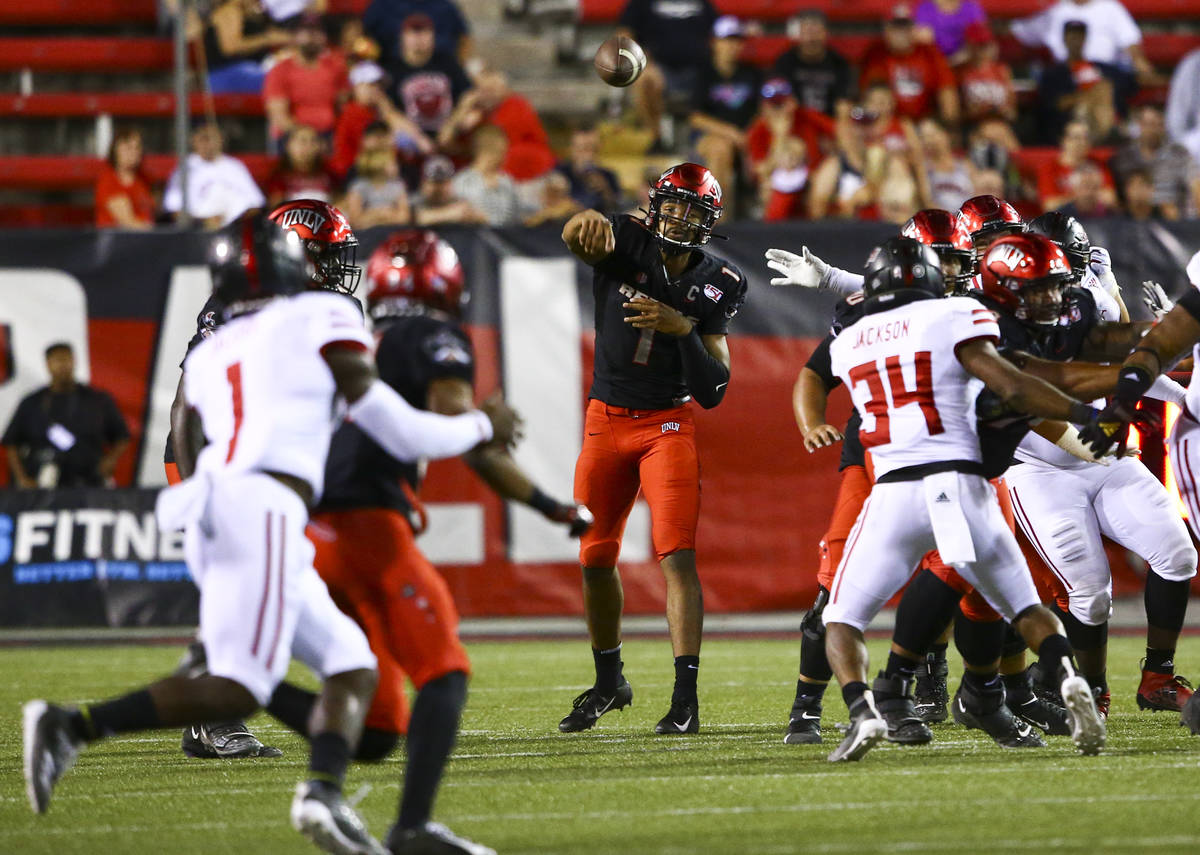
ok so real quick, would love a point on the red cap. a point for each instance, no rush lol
(978, 33)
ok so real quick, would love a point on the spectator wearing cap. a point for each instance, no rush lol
(306, 87)
(377, 196)
(436, 203)
(590, 184)
(820, 77)
(1183, 104)
(724, 105)
(384, 20)
(917, 74)
(944, 23)
(492, 102)
(369, 104)
(1113, 36)
(1080, 88)
(302, 172)
(220, 187)
(674, 36)
(484, 183)
(985, 83)
(426, 83)
(1054, 177)
(236, 39)
(1174, 177)
(780, 117)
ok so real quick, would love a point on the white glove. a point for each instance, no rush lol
(1193, 270)
(807, 270)
(1156, 299)
(1100, 264)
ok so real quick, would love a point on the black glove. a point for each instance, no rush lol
(575, 516)
(1190, 716)
(1111, 425)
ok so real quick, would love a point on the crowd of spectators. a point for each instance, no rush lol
(397, 120)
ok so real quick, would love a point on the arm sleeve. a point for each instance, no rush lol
(1166, 389)
(707, 378)
(843, 281)
(409, 434)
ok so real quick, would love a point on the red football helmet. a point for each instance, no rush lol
(328, 239)
(987, 218)
(692, 188)
(945, 234)
(414, 268)
(1026, 275)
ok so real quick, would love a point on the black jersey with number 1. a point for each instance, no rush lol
(642, 369)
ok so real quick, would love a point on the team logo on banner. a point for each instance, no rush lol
(6, 353)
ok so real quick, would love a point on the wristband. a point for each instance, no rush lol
(1152, 352)
(1133, 383)
(1081, 413)
(539, 501)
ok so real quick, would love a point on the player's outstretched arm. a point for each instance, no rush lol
(1109, 342)
(589, 236)
(809, 398)
(808, 270)
(451, 396)
(1083, 380)
(1021, 392)
(400, 428)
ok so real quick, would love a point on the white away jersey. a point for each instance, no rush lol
(264, 393)
(916, 400)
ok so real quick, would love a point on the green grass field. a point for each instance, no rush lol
(520, 786)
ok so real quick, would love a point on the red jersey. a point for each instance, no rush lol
(915, 78)
(529, 153)
(109, 186)
(287, 184)
(1054, 178)
(807, 124)
(348, 134)
(311, 91)
(987, 90)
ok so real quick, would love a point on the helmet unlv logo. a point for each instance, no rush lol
(307, 217)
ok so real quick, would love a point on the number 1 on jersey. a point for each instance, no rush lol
(234, 375)
(877, 405)
(641, 356)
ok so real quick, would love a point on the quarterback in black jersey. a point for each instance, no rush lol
(663, 307)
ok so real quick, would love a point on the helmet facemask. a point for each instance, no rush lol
(690, 218)
(1041, 303)
(336, 267)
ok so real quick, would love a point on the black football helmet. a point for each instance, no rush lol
(253, 260)
(1070, 236)
(901, 267)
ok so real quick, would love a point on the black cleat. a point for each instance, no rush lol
(866, 730)
(432, 838)
(590, 705)
(930, 695)
(804, 724)
(228, 740)
(894, 701)
(1023, 702)
(323, 815)
(682, 717)
(988, 713)
(50, 750)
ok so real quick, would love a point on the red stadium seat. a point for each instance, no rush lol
(70, 172)
(97, 54)
(145, 104)
(45, 216)
(76, 13)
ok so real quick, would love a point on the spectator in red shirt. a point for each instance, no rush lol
(781, 117)
(369, 104)
(985, 82)
(301, 173)
(491, 102)
(123, 197)
(918, 74)
(1054, 176)
(785, 174)
(305, 88)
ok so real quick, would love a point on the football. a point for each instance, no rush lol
(619, 61)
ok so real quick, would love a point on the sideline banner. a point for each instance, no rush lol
(128, 302)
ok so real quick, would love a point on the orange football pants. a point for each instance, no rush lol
(624, 450)
(369, 559)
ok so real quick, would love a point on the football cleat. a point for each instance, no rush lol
(865, 732)
(804, 725)
(1088, 730)
(50, 750)
(987, 712)
(323, 815)
(1163, 691)
(682, 717)
(894, 701)
(1023, 702)
(590, 705)
(930, 695)
(432, 838)
(227, 740)
(1103, 700)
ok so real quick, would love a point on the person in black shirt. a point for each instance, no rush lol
(671, 33)
(725, 104)
(663, 307)
(821, 78)
(426, 84)
(66, 434)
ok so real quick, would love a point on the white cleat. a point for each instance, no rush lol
(866, 730)
(1088, 730)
